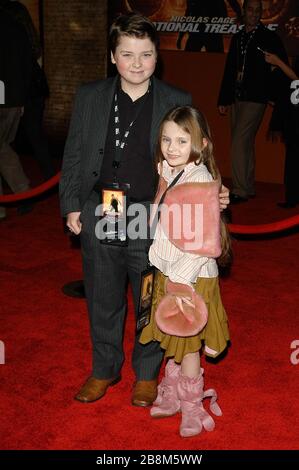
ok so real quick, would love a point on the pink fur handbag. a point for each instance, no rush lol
(181, 312)
(190, 218)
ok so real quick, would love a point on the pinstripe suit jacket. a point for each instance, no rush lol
(84, 149)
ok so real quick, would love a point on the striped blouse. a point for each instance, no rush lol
(178, 265)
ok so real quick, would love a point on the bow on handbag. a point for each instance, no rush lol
(181, 312)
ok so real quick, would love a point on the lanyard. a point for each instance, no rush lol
(120, 141)
(244, 50)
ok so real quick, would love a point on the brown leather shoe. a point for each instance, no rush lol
(94, 389)
(144, 392)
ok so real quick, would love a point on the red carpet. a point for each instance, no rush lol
(46, 337)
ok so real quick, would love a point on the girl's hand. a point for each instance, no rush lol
(73, 222)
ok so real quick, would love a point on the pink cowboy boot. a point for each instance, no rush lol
(194, 416)
(167, 402)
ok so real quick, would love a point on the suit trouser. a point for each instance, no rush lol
(106, 271)
(246, 118)
(10, 165)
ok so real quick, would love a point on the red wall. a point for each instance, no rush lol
(201, 74)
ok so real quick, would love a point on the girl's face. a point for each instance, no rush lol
(135, 59)
(175, 145)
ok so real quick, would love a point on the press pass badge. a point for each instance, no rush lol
(145, 298)
(112, 226)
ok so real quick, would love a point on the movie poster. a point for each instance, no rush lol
(207, 25)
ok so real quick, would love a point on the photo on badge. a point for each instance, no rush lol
(114, 221)
(113, 202)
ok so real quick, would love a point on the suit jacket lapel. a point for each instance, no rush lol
(100, 113)
(160, 107)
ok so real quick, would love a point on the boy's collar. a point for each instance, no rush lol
(149, 90)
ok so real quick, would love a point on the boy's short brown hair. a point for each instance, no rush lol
(134, 25)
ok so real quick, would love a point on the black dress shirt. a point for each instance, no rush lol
(137, 165)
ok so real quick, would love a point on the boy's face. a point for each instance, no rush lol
(135, 59)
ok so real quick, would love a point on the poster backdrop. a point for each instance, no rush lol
(207, 25)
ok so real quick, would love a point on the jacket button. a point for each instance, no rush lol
(95, 173)
(101, 151)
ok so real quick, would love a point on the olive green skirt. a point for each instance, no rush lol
(213, 338)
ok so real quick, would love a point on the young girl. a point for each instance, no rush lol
(185, 144)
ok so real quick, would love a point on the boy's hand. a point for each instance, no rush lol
(73, 222)
(223, 197)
